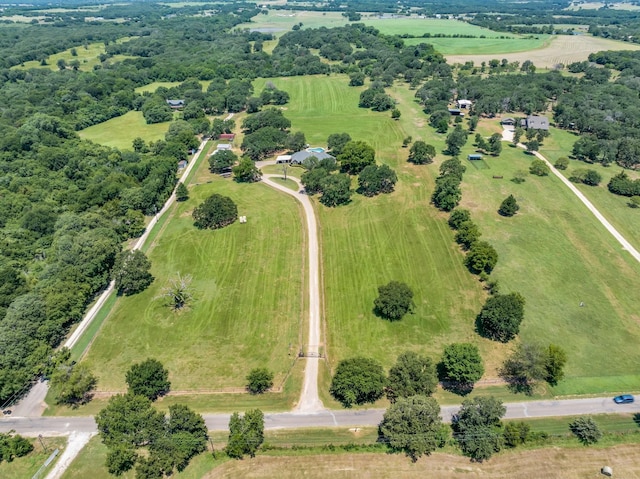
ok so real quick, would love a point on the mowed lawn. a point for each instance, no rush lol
(375, 240)
(248, 297)
(119, 132)
(558, 256)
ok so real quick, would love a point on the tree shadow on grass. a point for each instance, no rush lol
(636, 418)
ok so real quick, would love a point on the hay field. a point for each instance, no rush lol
(549, 463)
(563, 49)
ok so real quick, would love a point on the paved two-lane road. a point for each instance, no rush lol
(51, 426)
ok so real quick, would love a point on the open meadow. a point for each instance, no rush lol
(248, 283)
(558, 256)
(562, 49)
(119, 132)
(87, 56)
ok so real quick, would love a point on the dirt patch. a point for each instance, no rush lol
(548, 463)
(564, 49)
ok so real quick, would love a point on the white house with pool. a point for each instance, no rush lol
(298, 157)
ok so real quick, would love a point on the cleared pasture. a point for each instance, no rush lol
(558, 256)
(614, 207)
(152, 87)
(87, 55)
(375, 240)
(120, 132)
(563, 49)
(247, 311)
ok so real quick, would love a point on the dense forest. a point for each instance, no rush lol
(67, 205)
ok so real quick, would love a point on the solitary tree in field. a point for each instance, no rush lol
(509, 206)
(215, 212)
(394, 300)
(259, 380)
(421, 153)
(149, 379)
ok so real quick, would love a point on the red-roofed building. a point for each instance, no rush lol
(227, 136)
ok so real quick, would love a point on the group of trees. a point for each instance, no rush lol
(481, 257)
(447, 193)
(137, 435)
(353, 158)
(492, 146)
(362, 380)
(531, 363)
(13, 445)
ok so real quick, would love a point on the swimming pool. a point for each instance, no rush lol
(316, 149)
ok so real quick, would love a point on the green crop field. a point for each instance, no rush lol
(558, 255)
(120, 132)
(248, 296)
(615, 208)
(87, 56)
(484, 46)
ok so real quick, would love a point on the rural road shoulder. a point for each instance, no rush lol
(309, 398)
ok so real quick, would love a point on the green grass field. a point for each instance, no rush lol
(120, 132)
(280, 21)
(543, 251)
(248, 289)
(626, 220)
(483, 46)
(87, 56)
(390, 237)
(557, 255)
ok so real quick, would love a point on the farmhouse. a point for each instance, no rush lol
(300, 156)
(535, 122)
(464, 104)
(175, 103)
(508, 121)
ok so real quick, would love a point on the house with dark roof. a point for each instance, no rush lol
(175, 103)
(535, 122)
(508, 121)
